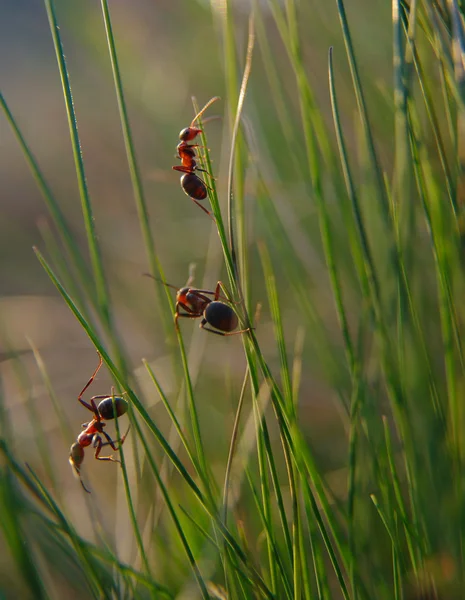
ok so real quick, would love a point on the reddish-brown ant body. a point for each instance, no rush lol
(215, 312)
(191, 183)
(93, 431)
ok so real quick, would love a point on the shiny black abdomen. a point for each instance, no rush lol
(221, 316)
(105, 408)
(193, 186)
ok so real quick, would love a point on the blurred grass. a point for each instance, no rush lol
(338, 208)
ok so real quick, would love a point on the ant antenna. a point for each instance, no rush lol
(175, 287)
(191, 277)
(199, 114)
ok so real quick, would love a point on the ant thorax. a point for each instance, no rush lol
(196, 301)
(85, 439)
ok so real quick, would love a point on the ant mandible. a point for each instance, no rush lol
(191, 183)
(93, 431)
(214, 312)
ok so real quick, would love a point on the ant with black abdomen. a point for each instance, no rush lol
(191, 183)
(93, 431)
(217, 316)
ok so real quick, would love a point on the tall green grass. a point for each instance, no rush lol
(357, 263)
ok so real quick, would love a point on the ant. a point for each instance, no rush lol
(191, 183)
(93, 431)
(196, 303)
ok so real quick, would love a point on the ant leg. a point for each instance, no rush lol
(216, 294)
(184, 316)
(203, 180)
(77, 472)
(221, 288)
(223, 333)
(92, 406)
(190, 313)
(205, 171)
(203, 207)
(113, 443)
(185, 147)
(82, 483)
(98, 445)
(182, 169)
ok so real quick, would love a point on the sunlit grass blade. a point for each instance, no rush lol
(80, 290)
(411, 530)
(402, 207)
(173, 514)
(129, 494)
(315, 130)
(237, 158)
(331, 547)
(273, 550)
(279, 93)
(233, 446)
(138, 188)
(273, 299)
(363, 113)
(236, 179)
(435, 126)
(299, 559)
(97, 266)
(316, 552)
(301, 284)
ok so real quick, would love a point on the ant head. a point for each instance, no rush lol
(76, 456)
(189, 133)
(182, 293)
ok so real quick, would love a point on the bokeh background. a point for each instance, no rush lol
(169, 51)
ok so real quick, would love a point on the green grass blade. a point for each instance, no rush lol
(139, 195)
(231, 177)
(171, 414)
(119, 377)
(174, 516)
(14, 535)
(96, 260)
(363, 112)
(51, 202)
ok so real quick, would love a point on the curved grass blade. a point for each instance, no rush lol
(97, 266)
(138, 189)
(53, 207)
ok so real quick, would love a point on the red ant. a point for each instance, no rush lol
(196, 303)
(191, 183)
(93, 431)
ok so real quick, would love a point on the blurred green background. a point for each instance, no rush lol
(170, 51)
